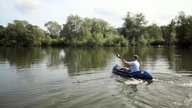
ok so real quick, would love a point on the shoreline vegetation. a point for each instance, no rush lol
(93, 32)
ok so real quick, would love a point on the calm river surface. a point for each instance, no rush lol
(83, 78)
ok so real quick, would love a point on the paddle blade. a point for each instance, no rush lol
(118, 55)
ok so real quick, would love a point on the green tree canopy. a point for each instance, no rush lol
(184, 30)
(169, 33)
(22, 33)
(155, 35)
(133, 27)
(87, 31)
(72, 28)
(53, 28)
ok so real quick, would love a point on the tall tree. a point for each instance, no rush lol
(133, 27)
(155, 35)
(53, 28)
(184, 30)
(72, 29)
(100, 26)
(85, 31)
(169, 33)
(2, 35)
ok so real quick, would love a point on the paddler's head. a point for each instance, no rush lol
(135, 57)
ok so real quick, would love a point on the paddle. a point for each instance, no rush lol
(119, 56)
(121, 59)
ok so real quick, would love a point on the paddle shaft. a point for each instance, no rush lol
(119, 56)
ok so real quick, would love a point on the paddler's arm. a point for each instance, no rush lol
(126, 62)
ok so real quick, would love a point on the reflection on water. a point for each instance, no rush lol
(83, 78)
(79, 60)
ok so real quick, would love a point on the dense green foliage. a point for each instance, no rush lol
(21, 33)
(178, 32)
(76, 32)
(95, 32)
(53, 28)
(89, 32)
(154, 35)
(136, 31)
(133, 28)
(169, 34)
(184, 30)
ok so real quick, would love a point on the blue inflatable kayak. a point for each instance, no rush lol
(142, 74)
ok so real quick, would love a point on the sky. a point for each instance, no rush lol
(38, 12)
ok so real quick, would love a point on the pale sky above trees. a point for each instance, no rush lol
(38, 12)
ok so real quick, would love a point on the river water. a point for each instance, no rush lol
(83, 78)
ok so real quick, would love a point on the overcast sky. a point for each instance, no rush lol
(38, 12)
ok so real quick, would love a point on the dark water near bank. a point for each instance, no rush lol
(82, 78)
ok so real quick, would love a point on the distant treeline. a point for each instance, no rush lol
(95, 32)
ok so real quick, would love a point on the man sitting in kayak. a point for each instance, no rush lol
(133, 65)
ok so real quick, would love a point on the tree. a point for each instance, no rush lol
(21, 33)
(155, 35)
(101, 26)
(2, 35)
(53, 28)
(169, 33)
(100, 30)
(133, 27)
(85, 31)
(72, 29)
(184, 30)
